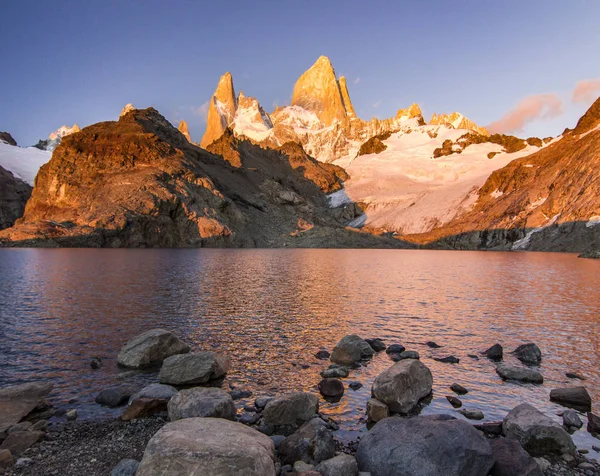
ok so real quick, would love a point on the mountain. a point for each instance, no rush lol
(23, 162)
(14, 193)
(183, 128)
(548, 200)
(139, 182)
(56, 137)
(457, 121)
(321, 116)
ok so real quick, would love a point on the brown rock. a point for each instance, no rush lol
(18, 401)
(143, 407)
(6, 459)
(377, 410)
(331, 387)
(183, 128)
(19, 441)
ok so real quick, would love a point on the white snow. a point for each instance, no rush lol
(496, 193)
(251, 123)
(24, 163)
(338, 199)
(595, 220)
(524, 242)
(63, 131)
(408, 191)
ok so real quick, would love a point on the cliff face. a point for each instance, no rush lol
(139, 182)
(457, 121)
(549, 200)
(221, 110)
(14, 193)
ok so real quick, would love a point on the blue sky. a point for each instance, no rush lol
(73, 61)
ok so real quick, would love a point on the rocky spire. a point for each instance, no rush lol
(346, 98)
(457, 121)
(318, 91)
(183, 128)
(128, 107)
(221, 110)
(410, 112)
(64, 131)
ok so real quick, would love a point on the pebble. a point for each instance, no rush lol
(238, 394)
(575, 375)
(568, 458)
(355, 385)
(322, 355)
(432, 344)
(71, 415)
(459, 389)
(300, 466)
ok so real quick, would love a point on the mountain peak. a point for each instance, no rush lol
(221, 110)
(590, 119)
(317, 90)
(128, 107)
(346, 97)
(183, 128)
(64, 131)
(457, 121)
(410, 112)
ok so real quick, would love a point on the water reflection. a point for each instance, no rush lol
(270, 310)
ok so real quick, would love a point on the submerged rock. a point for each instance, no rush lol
(424, 446)
(322, 355)
(150, 349)
(522, 374)
(495, 352)
(395, 349)
(208, 446)
(528, 354)
(577, 397)
(335, 372)
(537, 433)
(376, 344)
(402, 385)
(192, 369)
(201, 402)
(472, 414)
(455, 402)
(432, 345)
(450, 359)
(350, 350)
(407, 354)
(458, 389)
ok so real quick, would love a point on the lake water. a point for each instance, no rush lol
(271, 310)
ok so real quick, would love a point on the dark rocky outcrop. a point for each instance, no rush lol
(374, 145)
(14, 194)
(139, 182)
(6, 137)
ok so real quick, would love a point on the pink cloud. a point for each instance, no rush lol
(531, 108)
(586, 91)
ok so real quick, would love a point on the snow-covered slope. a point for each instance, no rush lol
(23, 162)
(406, 190)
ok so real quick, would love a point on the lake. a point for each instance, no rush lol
(271, 310)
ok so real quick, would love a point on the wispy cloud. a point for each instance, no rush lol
(586, 91)
(529, 109)
(201, 111)
(356, 81)
(376, 104)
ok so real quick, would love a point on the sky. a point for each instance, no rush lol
(73, 61)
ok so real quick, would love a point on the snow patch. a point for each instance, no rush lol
(594, 221)
(338, 199)
(23, 162)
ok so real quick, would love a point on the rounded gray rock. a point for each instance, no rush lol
(150, 349)
(193, 369)
(351, 349)
(341, 465)
(290, 409)
(521, 374)
(201, 402)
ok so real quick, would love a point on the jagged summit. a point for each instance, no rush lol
(128, 107)
(63, 131)
(183, 128)
(317, 90)
(221, 110)
(412, 112)
(346, 98)
(590, 119)
(457, 121)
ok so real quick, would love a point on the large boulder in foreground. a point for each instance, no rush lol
(208, 446)
(291, 409)
(17, 401)
(193, 369)
(537, 433)
(511, 459)
(350, 350)
(424, 446)
(402, 385)
(312, 443)
(150, 349)
(201, 402)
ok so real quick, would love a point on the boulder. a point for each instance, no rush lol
(351, 349)
(593, 425)
(19, 441)
(472, 414)
(208, 446)
(522, 374)
(290, 409)
(455, 402)
(331, 387)
(17, 401)
(143, 407)
(376, 344)
(450, 359)
(424, 446)
(201, 402)
(193, 369)
(512, 460)
(402, 385)
(537, 433)
(335, 372)
(577, 397)
(6, 459)
(490, 427)
(377, 410)
(458, 389)
(528, 354)
(495, 352)
(395, 349)
(322, 355)
(312, 443)
(341, 465)
(150, 349)
(114, 396)
(571, 419)
(126, 467)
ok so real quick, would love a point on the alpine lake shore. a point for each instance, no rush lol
(185, 423)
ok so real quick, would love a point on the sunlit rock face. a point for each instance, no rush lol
(221, 110)
(457, 121)
(183, 128)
